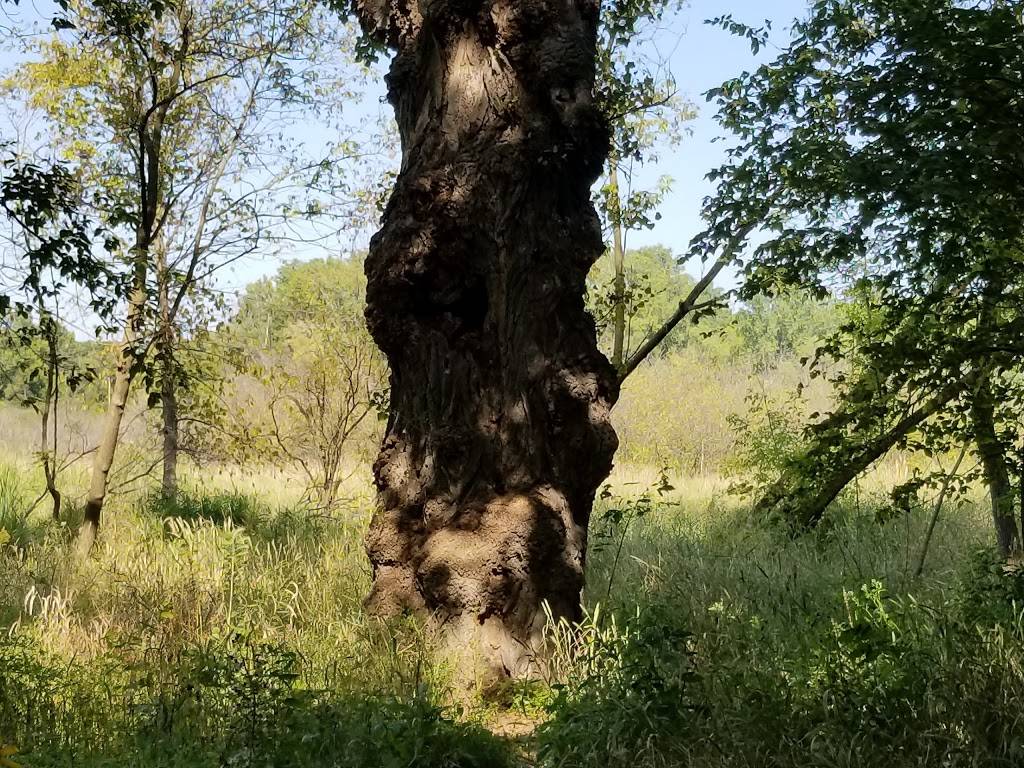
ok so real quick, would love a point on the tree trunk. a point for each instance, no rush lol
(169, 408)
(128, 354)
(804, 492)
(168, 380)
(499, 432)
(1020, 497)
(134, 348)
(619, 285)
(997, 476)
(105, 450)
(48, 457)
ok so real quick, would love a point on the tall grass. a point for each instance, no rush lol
(226, 629)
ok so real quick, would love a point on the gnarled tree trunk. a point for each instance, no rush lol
(499, 430)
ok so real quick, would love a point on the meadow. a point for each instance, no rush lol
(828, 343)
(226, 629)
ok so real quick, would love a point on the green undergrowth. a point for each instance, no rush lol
(226, 629)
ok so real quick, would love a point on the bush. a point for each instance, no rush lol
(15, 527)
(235, 701)
(219, 508)
(889, 682)
(627, 701)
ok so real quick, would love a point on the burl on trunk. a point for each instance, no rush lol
(499, 430)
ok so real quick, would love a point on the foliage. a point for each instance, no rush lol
(991, 590)
(218, 509)
(175, 118)
(52, 237)
(769, 433)
(618, 514)
(24, 359)
(234, 700)
(14, 506)
(230, 632)
(637, 94)
(876, 155)
(628, 700)
(777, 653)
(791, 325)
(652, 287)
(306, 401)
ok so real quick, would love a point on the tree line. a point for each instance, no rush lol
(874, 164)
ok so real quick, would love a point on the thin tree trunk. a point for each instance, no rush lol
(128, 354)
(802, 495)
(997, 476)
(168, 382)
(49, 458)
(499, 430)
(619, 285)
(946, 482)
(133, 349)
(169, 408)
(105, 450)
(1020, 496)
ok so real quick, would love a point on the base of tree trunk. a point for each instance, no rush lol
(87, 536)
(499, 430)
(488, 582)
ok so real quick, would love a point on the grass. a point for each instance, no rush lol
(226, 629)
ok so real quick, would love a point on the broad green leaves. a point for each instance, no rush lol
(879, 154)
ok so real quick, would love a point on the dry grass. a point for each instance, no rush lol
(241, 566)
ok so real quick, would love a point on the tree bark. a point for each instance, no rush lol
(499, 431)
(169, 408)
(105, 451)
(997, 476)
(124, 374)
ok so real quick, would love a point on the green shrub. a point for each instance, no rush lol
(15, 527)
(991, 591)
(218, 508)
(235, 701)
(627, 701)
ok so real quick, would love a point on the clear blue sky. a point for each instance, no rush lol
(703, 58)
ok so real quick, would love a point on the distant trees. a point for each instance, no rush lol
(179, 112)
(879, 154)
(652, 282)
(317, 379)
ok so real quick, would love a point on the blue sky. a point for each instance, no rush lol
(701, 57)
(704, 57)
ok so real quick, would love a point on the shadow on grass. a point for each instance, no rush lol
(229, 509)
(233, 702)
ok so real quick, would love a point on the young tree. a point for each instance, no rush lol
(499, 433)
(319, 381)
(49, 248)
(636, 91)
(654, 282)
(191, 143)
(879, 153)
